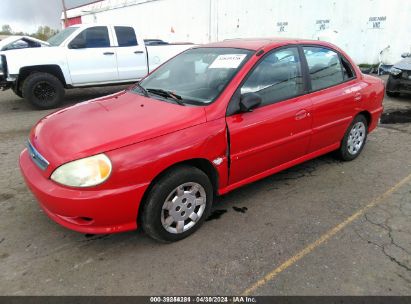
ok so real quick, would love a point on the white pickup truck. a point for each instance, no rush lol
(81, 56)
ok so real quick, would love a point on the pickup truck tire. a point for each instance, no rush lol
(43, 90)
(392, 94)
(354, 139)
(177, 204)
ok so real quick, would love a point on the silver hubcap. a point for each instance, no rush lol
(183, 207)
(356, 138)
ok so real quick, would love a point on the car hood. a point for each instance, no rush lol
(109, 123)
(11, 39)
(404, 64)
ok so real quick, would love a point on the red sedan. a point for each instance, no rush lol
(208, 121)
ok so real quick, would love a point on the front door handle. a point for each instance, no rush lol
(108, 53)
(302, 114)
(138, 52)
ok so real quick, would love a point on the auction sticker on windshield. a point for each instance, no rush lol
(227, 61)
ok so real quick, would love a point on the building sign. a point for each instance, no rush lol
(282, 26)
(322, 25)
(377, 22)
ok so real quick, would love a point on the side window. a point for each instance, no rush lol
(277, 77)
(348, 71)
(93, 37)
(126, 36)
(324, 67)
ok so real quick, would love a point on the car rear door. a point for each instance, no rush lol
(335, 95)
(91, 57)
(278, 131)
(131, 54)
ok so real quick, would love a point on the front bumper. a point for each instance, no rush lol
(401, 84)
(87, 211)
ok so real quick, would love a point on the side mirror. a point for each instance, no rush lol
(405, 55)
(249, 101)
(77, 43)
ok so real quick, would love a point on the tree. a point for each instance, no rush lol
(44, 32)
(6, 29)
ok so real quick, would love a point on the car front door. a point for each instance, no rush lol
(335, 96)
(131, 54)
(91, 57)
(278, 131)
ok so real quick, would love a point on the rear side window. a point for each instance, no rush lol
(324, 67)
(348, 71)
(277, 77)
(126, 36)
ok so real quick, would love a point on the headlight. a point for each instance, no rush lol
(85, 172)
(395, 71)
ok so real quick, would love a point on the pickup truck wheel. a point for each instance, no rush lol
(177, 204)
(354, 139)
(43, 90)
(392, 94)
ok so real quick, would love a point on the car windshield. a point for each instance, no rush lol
(58, 39)
(196, 76)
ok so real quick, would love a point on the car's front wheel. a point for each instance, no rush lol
(177, 204)
(354, 139)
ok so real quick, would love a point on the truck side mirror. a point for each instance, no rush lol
(249, 101)
(78, 43)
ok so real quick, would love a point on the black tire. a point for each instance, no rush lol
(392, 94)
(152, 211)
(344, 151)
(43, 90)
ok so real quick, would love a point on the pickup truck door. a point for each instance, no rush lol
(131, 54)
(91, 57)
(279, 130)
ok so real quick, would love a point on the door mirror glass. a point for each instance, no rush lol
(78, 43)
(249, 101)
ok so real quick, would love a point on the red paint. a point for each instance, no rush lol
(143, 137)
(74, 21)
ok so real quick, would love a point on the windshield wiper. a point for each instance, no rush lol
(142, 89)
(167, 94)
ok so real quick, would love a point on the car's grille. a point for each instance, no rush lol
(36, 157)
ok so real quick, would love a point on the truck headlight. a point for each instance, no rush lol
(85, 172)
(395, 71)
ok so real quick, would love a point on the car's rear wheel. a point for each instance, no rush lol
(354, 139)
(43, 90)
(177, 204)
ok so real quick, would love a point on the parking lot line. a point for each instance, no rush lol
(324, 238)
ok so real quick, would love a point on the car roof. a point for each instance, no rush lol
(255, 44)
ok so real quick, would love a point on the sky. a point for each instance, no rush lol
(28, 15)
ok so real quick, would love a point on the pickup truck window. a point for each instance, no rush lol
(58, 39)
(198, 75)
(93, 37)
(126, 36)
(277, 77)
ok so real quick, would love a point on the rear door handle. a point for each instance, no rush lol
(357, 97)
(302, 114)
(138, 52)
(108, 53)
